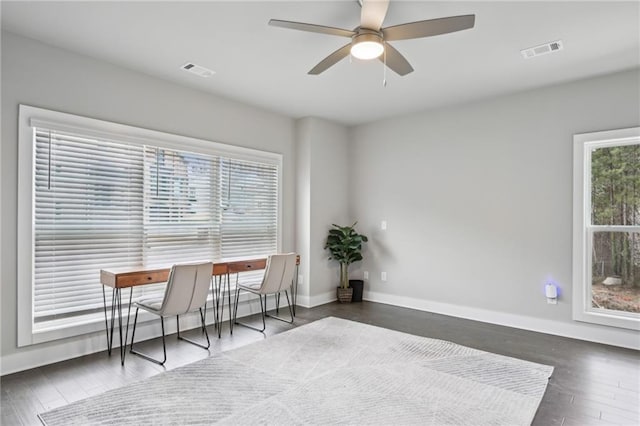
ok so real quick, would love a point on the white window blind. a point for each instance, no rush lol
(88, 216)
(249, 208)
(181, 212)
(249, 212)
(103, 203)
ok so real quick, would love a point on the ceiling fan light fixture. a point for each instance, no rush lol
(367, 46)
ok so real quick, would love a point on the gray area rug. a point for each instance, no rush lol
(330, 371)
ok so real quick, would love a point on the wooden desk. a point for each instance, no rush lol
(131, 277)
(121, 278)
(127, 277)
(247, 265)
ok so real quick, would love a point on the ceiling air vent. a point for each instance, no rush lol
(543, 49)
(197, 70)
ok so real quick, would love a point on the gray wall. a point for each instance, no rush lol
(47, 77)
(478, 200)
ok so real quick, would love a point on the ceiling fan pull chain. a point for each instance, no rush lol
(384, 66)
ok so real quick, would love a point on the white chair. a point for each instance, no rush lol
(186, 291)
(278, 277)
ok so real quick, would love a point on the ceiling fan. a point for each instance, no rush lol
(369, 40)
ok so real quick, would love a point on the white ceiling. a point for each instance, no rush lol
(267, 66)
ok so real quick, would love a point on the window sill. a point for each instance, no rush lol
(620, 320)
(78, 326)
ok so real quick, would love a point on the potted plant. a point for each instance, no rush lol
(345, 246)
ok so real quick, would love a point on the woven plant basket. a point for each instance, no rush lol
(344, 294)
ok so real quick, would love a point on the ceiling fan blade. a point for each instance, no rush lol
(431, 27)
(396, 61)
(331, 60)
(311, 28)
(373, 13)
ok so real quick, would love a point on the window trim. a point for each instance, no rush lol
(583, 230)
(30, 117)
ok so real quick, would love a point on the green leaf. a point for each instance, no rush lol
(345, 244)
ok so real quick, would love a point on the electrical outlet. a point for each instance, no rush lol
(365, 275)
(383, 276)
(300, 279)
(383, 225)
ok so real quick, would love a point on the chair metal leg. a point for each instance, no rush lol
(202, 318)
(262, 312)
(286, 293)
(235, 305)
(294, 291)
(143, 355)
(204, 328)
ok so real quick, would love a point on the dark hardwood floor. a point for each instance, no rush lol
(592, 384)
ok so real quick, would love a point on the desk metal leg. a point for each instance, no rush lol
(119, 302)
(123, 345)
(213, 303)
(214, 306)
(114, 294)
(116, 310)
(229, 297)
(106, 321)
(219, 302)
(218, 307)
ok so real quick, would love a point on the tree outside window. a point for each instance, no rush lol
(615, 210)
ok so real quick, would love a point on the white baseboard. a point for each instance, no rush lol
(48, 353)
(317, 300)
(592, 333)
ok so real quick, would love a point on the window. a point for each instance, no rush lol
(97, 195)
(606, 258)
